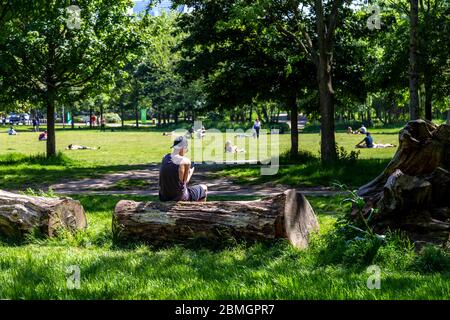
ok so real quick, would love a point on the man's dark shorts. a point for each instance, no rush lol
(196, 193)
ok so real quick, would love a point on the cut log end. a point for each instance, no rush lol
(22, 214)
(300, 219)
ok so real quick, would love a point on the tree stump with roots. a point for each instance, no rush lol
(413, 193)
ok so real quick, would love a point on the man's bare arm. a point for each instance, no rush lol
(186, 171)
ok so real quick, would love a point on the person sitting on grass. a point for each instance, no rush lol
(75, 147)
(229, 148)
(12, 132)
(43, 136)
(176, 172)
(367, 142)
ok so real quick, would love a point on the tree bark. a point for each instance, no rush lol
(413, 61)
(428, 100)
(423, 148)
(448, 117)
(51, 137)
(412, 193)
(292, 105)
(136, 112)
(20, 215)
(90, 117)
(288, 215)
(326, 92)
(122, 112)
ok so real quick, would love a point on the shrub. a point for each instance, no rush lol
(432, 259)
(303, 156)
(346, 157)
(112, 118)
(283, 127)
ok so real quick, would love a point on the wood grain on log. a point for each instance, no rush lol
(288, 215)
(21, 214)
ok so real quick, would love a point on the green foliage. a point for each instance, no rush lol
(344, 156)
(112, 118)
(40, 193)
(301, 157)
(433, 259)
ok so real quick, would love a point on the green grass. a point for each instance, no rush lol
(37, 268)
(133, 149)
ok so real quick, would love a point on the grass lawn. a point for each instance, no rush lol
(37, 269)
(134, 149)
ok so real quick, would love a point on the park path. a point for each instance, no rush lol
(217, 185)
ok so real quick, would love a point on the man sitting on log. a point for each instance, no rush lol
(175, 174)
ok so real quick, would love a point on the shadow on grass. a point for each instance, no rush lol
(312, 173)
(19, 172)
(256, 272)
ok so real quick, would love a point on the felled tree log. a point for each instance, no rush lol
(21, 214)
(423, 147)
(287, 215)
(413, 193)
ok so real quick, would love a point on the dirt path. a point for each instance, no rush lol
(107, 184)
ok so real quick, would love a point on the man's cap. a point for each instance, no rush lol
(180, 143)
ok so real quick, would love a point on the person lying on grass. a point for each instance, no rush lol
(12, 132)
(75, 147)
(229, 148)
(176, 172)
(367, 142)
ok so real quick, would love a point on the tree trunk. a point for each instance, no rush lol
(292, 105)
(428, 100)
(326, 93)
(122, 112)
(288, 215)
(51, 137)
(412, 193)
(101, 114)
(423, 148)
(413, 61)
(448, 117)
(20, 215)
(90, 117)
(328, 142)
(136, 112)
